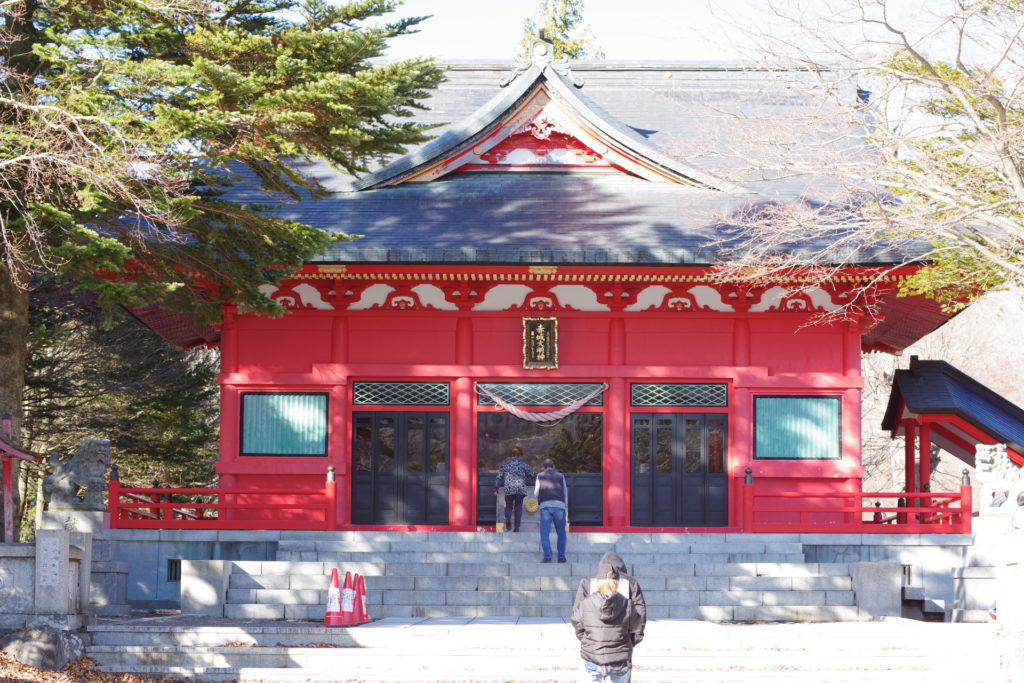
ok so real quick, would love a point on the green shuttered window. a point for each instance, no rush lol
(284, 424)
(797, 428)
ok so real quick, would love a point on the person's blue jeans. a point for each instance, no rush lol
(603, 674)
(549, 517)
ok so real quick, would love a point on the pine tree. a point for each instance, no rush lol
(121, 122)
(561, 21)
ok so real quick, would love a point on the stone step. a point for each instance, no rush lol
(752, 613)
(323, 550)
(595, 542)
(551, 675)
(772, 567)
(713, 613)
(305, 582)
(322, 658)
(735, 596)
(532, 557)
(507, 650)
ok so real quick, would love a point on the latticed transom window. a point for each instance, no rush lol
(540, 393)
(284, 424)
(695, 395)
(400, 393)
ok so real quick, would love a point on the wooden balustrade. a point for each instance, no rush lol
(839, 512)
(222, 508)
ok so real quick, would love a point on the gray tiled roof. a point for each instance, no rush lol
(529, 218)
(678, 115)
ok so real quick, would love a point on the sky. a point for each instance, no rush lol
(627, 30)
(638, 30)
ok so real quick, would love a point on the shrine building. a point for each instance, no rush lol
(552, 253)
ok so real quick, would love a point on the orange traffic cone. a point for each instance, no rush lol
(362, 613)
(348, 599)
(332, 615)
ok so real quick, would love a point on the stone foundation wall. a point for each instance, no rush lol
(46, 583)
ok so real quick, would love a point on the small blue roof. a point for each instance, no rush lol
(934, 387)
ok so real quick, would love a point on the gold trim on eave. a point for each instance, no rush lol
(540, 343)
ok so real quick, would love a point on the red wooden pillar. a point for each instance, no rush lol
(340, 454)
(616, 465)
(9, 500)
(616, 458)
(909, 479)
(925, 456)
(7, 429)
(463, 472)
(741, 456)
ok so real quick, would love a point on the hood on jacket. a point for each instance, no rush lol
(610, 562)
(610, 608)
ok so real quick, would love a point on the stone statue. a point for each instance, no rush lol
(78, 484)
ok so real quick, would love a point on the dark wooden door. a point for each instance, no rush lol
(400, 468)
(678, 465)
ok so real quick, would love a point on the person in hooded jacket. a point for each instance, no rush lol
(611, 560)
(608, 622)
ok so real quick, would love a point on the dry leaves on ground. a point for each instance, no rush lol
(85, 670)
(82, 670)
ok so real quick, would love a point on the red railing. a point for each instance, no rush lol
(832, 512)
(194, 508)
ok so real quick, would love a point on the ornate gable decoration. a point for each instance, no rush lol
(538, 123)
(547, 141)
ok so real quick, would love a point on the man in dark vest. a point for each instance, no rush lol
(553, 495)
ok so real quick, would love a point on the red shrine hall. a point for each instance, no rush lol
(552, 254)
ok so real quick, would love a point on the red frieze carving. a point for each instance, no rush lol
(740, 295)
(680, 299)
(343, 293)
(402, 298)
(798, 301)
(540, 146)
(465, 295)
(540, 299)
(618, 296)
(288, 297)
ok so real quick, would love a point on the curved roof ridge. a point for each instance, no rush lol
(455, 136)
(527, 76)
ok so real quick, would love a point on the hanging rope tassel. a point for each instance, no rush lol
(544, 419)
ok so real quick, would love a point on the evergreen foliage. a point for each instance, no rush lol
(562, 21)
(121, 121)
(121, 124)
(88, 375)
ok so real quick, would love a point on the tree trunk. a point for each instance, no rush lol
(13, 353)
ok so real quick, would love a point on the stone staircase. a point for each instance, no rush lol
(713, 577)
(533, 650)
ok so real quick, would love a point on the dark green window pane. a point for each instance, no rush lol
(284, 424)
(386, 434)
(664, 445)
(362, 447)
(797, 427)
(716, 447)
(641, 446)
(414, 438)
